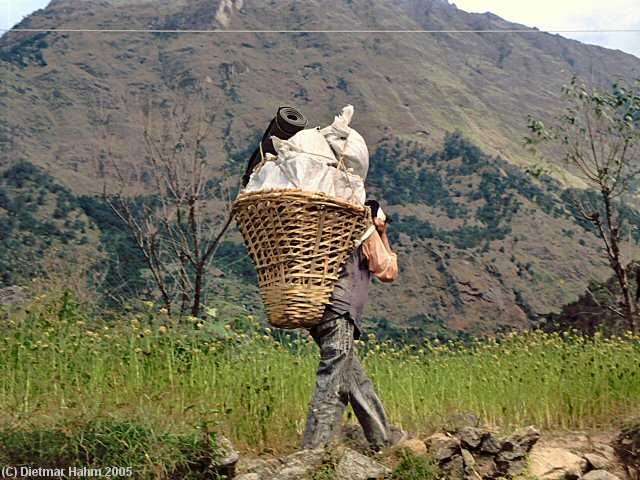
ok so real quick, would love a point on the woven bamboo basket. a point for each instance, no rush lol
(298, 242)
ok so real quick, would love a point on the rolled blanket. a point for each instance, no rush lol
(287, 122)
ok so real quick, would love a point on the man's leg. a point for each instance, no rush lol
(335, 338)
(367, 406)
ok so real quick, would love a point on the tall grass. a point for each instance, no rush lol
(57, 366)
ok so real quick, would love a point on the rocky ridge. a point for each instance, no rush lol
(466, 453)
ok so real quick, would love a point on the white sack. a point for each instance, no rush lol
(350, 187)
(309, 142)
(344, 140)
(298, 172)
(308, 174)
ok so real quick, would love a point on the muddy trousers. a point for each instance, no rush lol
(341, 380)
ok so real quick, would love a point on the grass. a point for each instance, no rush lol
(413, 467)
(63, 373)
(119, 449)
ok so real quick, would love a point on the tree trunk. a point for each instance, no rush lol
(197, 292)
(616, 262)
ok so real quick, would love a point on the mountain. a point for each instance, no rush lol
(482, 246)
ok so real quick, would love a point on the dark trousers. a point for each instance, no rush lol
(341, 380)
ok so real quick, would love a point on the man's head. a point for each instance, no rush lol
(380, 220)
(376, 210)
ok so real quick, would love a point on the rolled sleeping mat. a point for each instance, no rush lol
(287, 122)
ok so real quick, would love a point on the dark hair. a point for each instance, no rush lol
(374, 205)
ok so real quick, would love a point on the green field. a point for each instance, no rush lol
(153, 393)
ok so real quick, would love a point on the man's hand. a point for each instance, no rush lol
(381, 226)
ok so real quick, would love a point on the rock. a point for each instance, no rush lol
(299, 464)
(12, 296)
(549, 463)
(511, 463)
(525, 439)
(355, 466)
(507, 456)
(491, 445)
(516, 468)
(471, 437)
(415, 446)
(485, 466)
(245, 465)
(292, 467)
(469, 461)
(605, 451)
(627, 448)
(597, 462)
(247, 476)
(442, 447)
(599, 475)
(226, 463)
(454, 469)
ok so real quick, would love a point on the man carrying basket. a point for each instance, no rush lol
(340, 378)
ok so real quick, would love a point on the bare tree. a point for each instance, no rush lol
(174, 224)
(599, 133)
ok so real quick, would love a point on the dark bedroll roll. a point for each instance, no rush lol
(287, 122)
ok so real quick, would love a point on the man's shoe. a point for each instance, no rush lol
(397, 436)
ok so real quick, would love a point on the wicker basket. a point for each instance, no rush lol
(298, 242)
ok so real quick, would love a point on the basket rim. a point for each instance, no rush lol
(275, 193)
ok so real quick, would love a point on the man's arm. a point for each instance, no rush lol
(383, 263)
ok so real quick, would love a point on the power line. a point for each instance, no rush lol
(123, 30)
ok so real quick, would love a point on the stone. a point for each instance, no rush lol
(12, 296)
(599, 475)
(247, 476)
(516, 468)
(471, 437)
(525, 439)
(491, 444)
(442, 447)
(454, 469)
(549, 463)
(469, 461)
(506, 456)
(292, 467)
(355, 466)
(605, 451)
(299, 464)
(597, 462)
(245, 464)
(485, 466)
(415, 446)
(225, 464)
(627, 449)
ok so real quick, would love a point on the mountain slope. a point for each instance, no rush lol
(481, 246)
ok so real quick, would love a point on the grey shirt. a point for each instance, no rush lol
(352, 288)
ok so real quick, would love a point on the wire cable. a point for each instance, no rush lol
(155, 31)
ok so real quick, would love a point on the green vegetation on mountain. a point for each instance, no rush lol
(483, 248)
(41, 222)
(479, 197)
